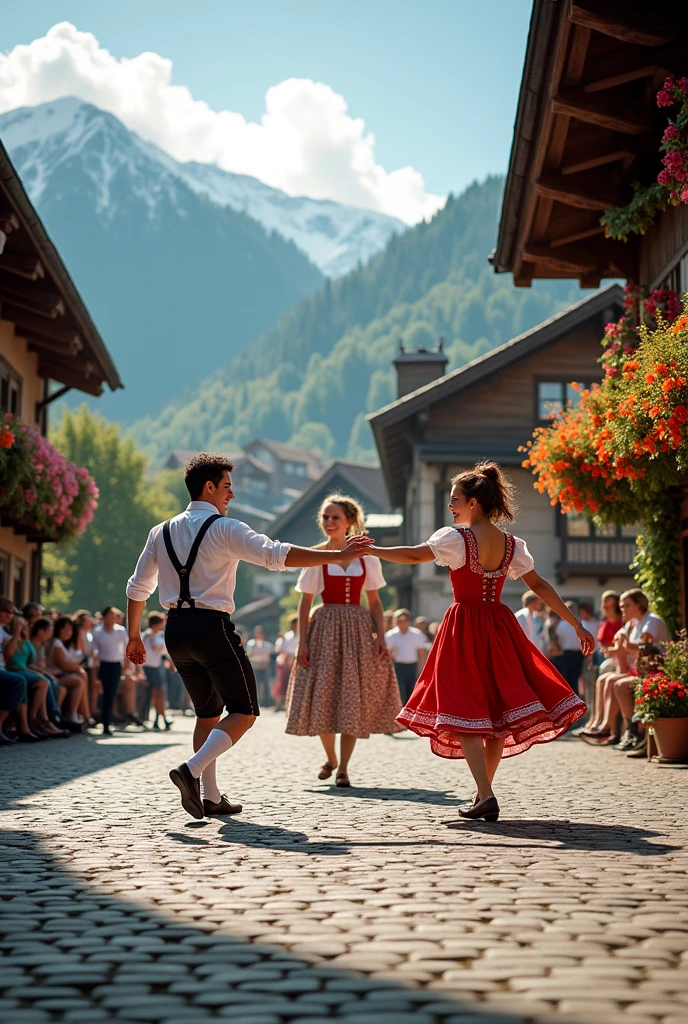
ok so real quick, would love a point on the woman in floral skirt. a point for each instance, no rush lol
(485, 691)
(343, 679)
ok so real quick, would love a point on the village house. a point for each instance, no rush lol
(46, 337)
(588, 132)
(488, 409)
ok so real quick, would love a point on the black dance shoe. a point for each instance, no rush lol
(487, 809)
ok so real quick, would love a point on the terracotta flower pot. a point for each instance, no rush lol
(671, 735)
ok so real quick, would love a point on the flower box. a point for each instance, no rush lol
(41, 492)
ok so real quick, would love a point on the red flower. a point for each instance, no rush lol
(6, 439)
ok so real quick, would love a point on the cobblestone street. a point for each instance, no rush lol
(372, 905)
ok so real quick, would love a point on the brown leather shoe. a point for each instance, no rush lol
(488, 809)
(190, 790)
(224, 807)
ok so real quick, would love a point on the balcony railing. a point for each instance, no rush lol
(596, 556)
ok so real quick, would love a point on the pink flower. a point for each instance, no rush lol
(664, 177)
(683, 84)
(30, 496)
(670, 132)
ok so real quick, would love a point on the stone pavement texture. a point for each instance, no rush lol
(372, 905)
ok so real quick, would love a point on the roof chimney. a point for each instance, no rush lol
(420, 367)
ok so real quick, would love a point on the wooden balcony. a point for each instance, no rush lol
(601, 557)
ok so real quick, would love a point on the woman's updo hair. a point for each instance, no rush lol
(493, 491)
(352, 509)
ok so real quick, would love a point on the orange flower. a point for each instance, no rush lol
(6, 439)
(680, 325)
(650, 378)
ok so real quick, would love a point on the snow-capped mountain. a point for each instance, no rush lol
(176, 284)
(335, 237)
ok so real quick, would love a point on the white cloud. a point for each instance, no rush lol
(306, 143)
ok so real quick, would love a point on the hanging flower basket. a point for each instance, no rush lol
(38, 486)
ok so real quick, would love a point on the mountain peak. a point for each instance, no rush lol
(41, 139)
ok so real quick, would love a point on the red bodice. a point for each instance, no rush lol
(475, 585)
(343, 589)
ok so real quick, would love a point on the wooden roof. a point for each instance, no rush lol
(39, 297)
(398, 426)
(587, 126)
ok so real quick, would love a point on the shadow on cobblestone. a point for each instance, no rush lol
(437, 798)
(69, 759)
(570, 835)
(71, 952)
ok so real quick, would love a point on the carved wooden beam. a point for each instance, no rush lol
(22, 265)
(585, 191)
(39, 343)
(629, 22)
(25, 321)
(598, 156)
(576, 236)
(564, 258)
(594, 109)
(9, 221)
(28, 294)
(52, 368)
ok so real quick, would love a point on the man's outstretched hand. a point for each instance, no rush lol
(136, 652)
(356, 547)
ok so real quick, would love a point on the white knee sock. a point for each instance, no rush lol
(218, 741)
(209, 788)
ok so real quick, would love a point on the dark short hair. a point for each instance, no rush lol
(203, 468)
(6, 605)
(40, 624)
(32, 606)
(110, 608)
(155, 617)
(62, 621)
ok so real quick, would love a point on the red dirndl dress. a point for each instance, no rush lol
(483, 675)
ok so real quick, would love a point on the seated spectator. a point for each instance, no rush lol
(423, 624)
(13, 689)
(40, 633)
(82, 640)
(603, 657)
(531, 619)
(21, 657)
(408, 646)
(641, 626)
(32, 611)
(64, 665)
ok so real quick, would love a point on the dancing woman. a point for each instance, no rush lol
(486, 691)
(343, 680)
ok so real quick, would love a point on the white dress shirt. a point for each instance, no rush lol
(288, 644)
(405, 647)
(567, 636)
(109, 645)
(213, 577)
(154, 642)
(533, 626)
(312, 580)
(259, 652)
(449, 548)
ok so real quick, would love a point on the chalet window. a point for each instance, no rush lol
(4, 574)
(553, 396)
(590, 549)
(295, 468)
(10, 389)
(18, 582)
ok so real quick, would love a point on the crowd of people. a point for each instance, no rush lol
(629, 641)
(62, 674)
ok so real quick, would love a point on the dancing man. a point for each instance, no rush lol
(193, 558)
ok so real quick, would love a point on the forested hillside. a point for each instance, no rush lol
(312, 377)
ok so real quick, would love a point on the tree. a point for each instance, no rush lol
(95, 568)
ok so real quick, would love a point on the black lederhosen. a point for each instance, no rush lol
(208, 654)
(206, 649)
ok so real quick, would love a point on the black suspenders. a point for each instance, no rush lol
(184, 571)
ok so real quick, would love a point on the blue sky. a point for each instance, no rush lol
(436, 82)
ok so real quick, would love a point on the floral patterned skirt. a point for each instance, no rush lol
(348, 687)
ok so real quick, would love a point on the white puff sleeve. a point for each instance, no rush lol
(522, 562)
(448, 547)
(374, 579)
(310, 580)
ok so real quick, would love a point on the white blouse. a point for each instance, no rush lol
(449, 548)
(312, 581)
